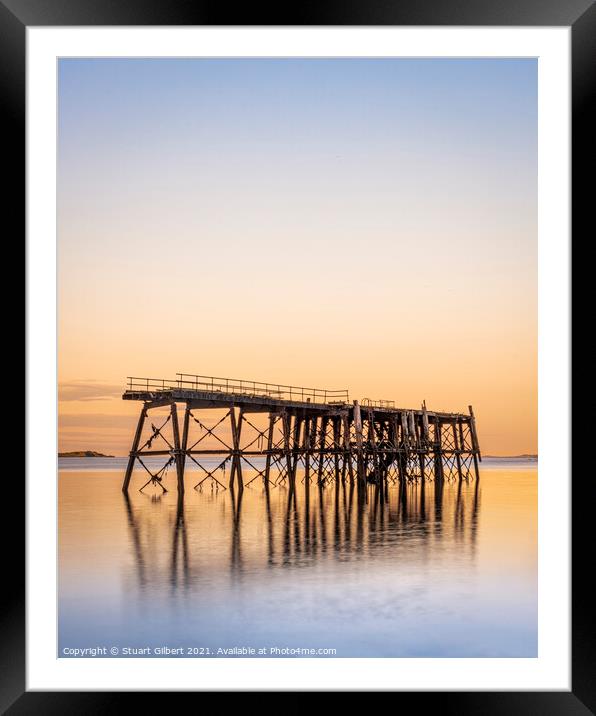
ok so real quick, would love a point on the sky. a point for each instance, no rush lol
(367, 224)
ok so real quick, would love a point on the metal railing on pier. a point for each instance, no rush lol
(238, 386)
(368, 403)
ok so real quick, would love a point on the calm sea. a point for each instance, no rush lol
(421, 572)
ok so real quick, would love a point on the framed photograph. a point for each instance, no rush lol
(298, 353)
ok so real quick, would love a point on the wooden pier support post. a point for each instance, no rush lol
(412, 429)
(336, 443)
(360, 473)
(462, 442)
(372, 440)
(239, 422)
(380, 433)
(296, 445)
(387, 449)
(413, 435)
(232, 415)
(457, 449)
(306, 449)
(134, 448)
(322, 443)
(394, 441)
(310, 431)
(425, 439)
(185, 426)
(177, 449)
(438, 450)
(347, 447)
(272, 418)
(286, 425)
(236, 468)
(343, 453)
(475, 444)
(405, 454)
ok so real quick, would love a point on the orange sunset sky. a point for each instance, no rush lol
(360, 224)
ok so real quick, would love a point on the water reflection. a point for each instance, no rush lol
(297, 526)
(180, 545)
(401, 569)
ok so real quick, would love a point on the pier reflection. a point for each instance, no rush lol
(214, 533)
(403, 569)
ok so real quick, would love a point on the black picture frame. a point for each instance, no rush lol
(580, 15)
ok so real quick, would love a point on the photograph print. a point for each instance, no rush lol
(297, 357)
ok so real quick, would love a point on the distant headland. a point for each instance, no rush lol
(83, 453)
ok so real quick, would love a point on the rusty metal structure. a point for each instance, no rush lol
(319, 434)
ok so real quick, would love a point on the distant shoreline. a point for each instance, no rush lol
(83, 453)
(92, 453)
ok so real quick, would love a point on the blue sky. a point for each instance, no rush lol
(413, 179)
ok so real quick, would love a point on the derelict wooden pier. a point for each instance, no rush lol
(320, 432)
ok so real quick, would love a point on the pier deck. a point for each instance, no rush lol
(319, 430)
